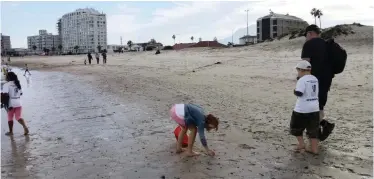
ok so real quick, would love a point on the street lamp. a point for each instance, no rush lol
(246, 39)
(232, 37)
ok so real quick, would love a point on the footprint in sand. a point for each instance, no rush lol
(245, 146)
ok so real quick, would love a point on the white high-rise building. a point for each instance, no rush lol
(43, 41)
(85, 28)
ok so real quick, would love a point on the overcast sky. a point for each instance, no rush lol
(141, 21)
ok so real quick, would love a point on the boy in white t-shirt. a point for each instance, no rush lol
(306, 112)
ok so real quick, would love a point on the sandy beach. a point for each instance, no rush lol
(250, 90)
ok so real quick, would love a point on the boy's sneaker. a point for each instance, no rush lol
(327, 129)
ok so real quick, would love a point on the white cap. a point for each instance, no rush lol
(305, 65)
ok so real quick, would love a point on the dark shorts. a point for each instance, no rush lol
(301, 121)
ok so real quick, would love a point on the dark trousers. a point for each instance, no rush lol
(89, 60)
(104, 60)
(97, 60)
(324, 83)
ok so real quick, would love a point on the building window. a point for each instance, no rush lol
(258, 23)
(275, 28)
(275, 22)
(275, 35)
(258, 30)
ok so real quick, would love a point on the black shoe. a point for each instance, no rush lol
(326, 131)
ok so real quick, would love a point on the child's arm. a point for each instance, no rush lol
(300, 88)
(201, 131)
(197, 113)
(297, 93)
(199, 119)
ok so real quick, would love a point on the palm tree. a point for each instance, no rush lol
(192, 38)
(173, 38)
(34, 48)
(60, 47)
(76, 48)
(99, 48)
(215, 39)
(313, 12)
(319, 14)
(129, 43)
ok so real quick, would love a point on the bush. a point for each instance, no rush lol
(168, 47)
(336, 31)
(357, 24)
(281, 36)
(268, 40)
(297, 33)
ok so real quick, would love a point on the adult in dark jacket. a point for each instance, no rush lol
(89, 58)
(104, 57)
(314, 51)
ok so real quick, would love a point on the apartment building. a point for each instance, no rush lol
(5, 44)
(43, 41)
(85, 29)
(274, 25)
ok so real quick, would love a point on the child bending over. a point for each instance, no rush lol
(191, 117)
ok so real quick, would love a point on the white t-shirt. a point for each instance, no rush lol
(308, 102)
(179, 110)
(14, 94)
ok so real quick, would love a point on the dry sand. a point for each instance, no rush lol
(251, 92)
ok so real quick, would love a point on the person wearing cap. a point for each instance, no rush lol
(314, 51)
(306, 112)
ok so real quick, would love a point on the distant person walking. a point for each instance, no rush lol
(11, 99)
(97, 57)
(104, 57)
(8, 69)
(89, 58)
(26, 70)
(327, 59)
(4, 68)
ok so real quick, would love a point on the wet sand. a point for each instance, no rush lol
(80, 136)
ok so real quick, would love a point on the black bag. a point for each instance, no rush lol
(336, 55)
(5, 101)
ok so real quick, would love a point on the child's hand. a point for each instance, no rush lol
(210, 152)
